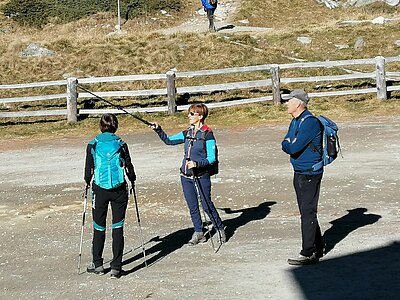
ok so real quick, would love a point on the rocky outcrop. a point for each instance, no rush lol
(346, 3)
(36, 50)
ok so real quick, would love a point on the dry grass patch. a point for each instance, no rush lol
(84, 48)
(262, 114)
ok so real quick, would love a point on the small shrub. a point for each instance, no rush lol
(38, 13)
(28, 12)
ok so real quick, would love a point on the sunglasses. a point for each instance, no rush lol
(191, 113)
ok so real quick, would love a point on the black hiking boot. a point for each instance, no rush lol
(115, 274)
(304, 260)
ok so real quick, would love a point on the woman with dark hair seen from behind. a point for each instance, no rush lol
(107, 158)
(199, 155)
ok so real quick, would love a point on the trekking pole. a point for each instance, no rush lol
(213, 221)
(195, 178)
(83, 226)
(192, 139)
(133, 191)
(116, 106)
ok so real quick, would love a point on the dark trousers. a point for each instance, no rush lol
(118, 198)
(210, 16)
(204, 189)
(307, 192)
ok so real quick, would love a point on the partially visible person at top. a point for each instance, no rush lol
(210, 6)
(107, 160)
(199, 154)
(303, 142)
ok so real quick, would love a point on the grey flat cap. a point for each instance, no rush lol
(299, 94)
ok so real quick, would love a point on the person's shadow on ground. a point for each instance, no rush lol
(176, 240)
(343, 226)
(246, 215)
(165, 246)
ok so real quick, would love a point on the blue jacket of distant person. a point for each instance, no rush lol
(208, 6)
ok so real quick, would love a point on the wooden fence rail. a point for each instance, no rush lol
(171, 91)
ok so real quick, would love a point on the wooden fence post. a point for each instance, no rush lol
(72, 100)
(171, 92)
(276, 84)
(381, 89)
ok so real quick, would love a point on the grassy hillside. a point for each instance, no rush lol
(84, 48)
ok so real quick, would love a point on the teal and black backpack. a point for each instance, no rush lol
(108, 163)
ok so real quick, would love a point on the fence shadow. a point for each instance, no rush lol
(246, 215)
(372, 274)
(343, 226)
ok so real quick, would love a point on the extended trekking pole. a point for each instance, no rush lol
(195, 178)
(83, 226)
(133, 191)
(198, 189)
(116, 106)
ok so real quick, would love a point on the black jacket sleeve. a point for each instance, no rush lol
(129, 169)
(89, 164)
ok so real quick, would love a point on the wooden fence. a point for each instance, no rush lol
(380, 75)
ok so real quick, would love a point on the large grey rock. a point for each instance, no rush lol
(336, 3)
(35, 50)
(392, 2)
(342, 46)
(379, 20)
(329, 3)
(304, 40)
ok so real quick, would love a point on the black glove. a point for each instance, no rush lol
(132, 179)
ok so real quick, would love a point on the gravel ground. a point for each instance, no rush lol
(41, 215)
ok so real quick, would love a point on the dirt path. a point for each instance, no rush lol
(41, 215)
(224, 15)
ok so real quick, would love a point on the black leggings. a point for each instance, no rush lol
(119, 201)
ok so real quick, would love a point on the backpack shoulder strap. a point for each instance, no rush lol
(204, 134)
(302, 120)
(305, 118)
(93, 143)
(311, 145)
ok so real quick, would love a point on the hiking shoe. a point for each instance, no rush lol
(95, 270)
(115, 274)
(197, 237)
(222, 236)
(303, 260)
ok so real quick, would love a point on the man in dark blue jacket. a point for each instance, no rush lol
(303, 142)
(210, 6)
